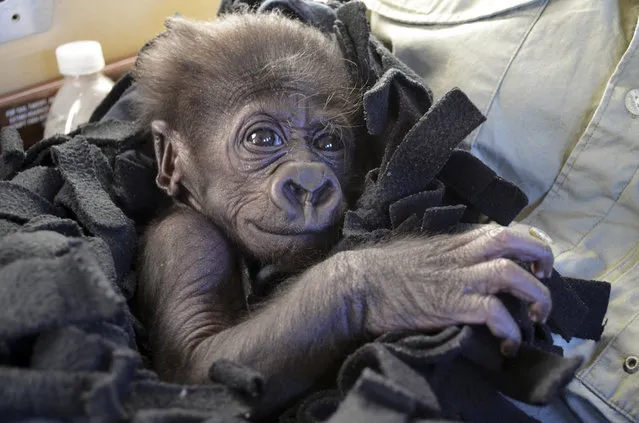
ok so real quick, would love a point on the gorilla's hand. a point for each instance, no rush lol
(430, 283)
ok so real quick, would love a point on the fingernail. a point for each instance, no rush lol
(539, 234)
(537, 314)
(509, 348)
(542, 316)
(533, 316)
(537, 270)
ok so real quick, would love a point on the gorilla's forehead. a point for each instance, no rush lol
(295, 107)
(280, 90)
(285, 75)
(284, 97)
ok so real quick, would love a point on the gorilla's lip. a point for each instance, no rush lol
(289, 232)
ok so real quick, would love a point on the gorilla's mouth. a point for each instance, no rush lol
(293, 247)
(287, 232)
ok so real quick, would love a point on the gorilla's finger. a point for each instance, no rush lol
(489, 310)
(504, 242)
(447, 246)
(502, 325)
(503, 275)
(461, 239)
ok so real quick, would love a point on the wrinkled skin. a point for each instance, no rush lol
(268, 182)
(276, 189)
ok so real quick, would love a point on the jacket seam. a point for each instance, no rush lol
(542, 8)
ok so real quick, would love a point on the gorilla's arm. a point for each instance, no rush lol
(195, 303)
(192, 302)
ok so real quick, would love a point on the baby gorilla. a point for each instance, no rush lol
(253, 121)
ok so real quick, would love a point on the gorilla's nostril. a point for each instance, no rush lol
(300, 194)
(323, 193)
(301, 189)
(295, 192)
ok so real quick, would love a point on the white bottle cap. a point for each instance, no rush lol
(79, 58)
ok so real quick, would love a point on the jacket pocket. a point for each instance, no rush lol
(614, 375)
(456, 43)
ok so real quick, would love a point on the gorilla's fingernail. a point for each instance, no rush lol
(539, 234)
(509, 348)
(538, 313)
(540, 274)
(542, 316)
(533, 316)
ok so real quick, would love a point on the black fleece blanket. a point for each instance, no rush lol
(71, 206)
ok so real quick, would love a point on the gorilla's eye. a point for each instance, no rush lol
(328, 143)
(264, 138)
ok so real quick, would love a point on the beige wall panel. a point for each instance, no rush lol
(121, 26)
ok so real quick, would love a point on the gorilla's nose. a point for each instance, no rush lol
(311, 189)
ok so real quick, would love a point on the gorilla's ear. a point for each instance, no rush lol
(167, 157)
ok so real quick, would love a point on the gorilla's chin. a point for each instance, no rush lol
(288, 250)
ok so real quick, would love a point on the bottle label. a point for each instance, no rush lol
(28, 118)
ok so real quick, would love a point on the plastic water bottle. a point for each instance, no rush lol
(84, 87)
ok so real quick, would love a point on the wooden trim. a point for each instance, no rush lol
(113, 70)
(36, 100)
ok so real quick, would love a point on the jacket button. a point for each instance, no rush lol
(632, 101)
(631, 365)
